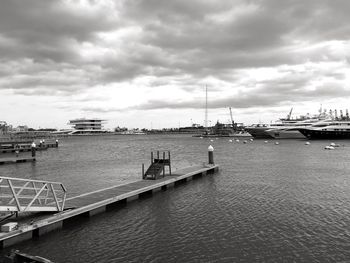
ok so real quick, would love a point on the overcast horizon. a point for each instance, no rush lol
(145, 64)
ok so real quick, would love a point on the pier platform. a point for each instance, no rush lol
(99, 201)
(25, 146)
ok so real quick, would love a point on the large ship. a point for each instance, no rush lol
(336, 128)
(286, 128)
(290, 130)
(225, 130)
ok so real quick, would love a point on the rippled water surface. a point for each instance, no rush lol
(269, 203)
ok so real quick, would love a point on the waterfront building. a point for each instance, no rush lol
(85, 126)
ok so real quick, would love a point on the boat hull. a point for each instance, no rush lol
(259, 133)
(233, 135)
(325, 135)
(285, 134)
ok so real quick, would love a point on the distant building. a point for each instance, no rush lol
(21, 128)
(86, 126)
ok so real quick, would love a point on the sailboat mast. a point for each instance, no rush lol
(206, 108)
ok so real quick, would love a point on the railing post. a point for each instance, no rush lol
(143, 171)
(151, 157)
(169, 163)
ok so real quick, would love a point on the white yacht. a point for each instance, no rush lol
(328, 129)
(290, 130)
(286, 128)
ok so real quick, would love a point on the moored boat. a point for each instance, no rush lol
(286, 128)
(328, 129)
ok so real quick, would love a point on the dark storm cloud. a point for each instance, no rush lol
(176, 42)
(42, 29)
(258, 98)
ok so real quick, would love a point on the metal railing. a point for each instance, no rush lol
(24, 195)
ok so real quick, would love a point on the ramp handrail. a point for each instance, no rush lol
(25, 195)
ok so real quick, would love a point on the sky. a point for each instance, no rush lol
(146, 63)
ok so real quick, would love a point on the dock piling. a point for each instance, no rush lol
(33, 149)
(211, 154)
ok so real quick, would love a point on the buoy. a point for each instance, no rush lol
(201, 137)
(328, 147)
(266, 141)
(307, 143)
(244, 141)
(251, 139)
(237, 140)
(230, 140)
(277, 143)
(332, 144)
(211, 140)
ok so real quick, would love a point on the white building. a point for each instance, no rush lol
(87, 126)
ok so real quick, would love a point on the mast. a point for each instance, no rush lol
(206, 108)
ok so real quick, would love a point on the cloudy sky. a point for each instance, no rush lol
(145, 63)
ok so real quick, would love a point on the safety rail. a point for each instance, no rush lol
(24, 195)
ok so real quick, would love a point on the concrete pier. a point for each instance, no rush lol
(17, 160)
(99, 201)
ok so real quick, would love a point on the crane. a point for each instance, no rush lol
(233, 123)
(290, 114)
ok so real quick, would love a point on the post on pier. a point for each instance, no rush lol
(211, 154)
(33, 149)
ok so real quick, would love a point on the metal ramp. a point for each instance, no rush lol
(23, 195)
(157, 166)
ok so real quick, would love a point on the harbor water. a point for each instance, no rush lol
(269, 203)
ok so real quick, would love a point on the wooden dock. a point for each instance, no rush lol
(99, 201)
(11, 160)
(25, 146)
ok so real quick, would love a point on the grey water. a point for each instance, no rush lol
(269, 203)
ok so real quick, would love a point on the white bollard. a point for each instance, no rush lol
(211, 154)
